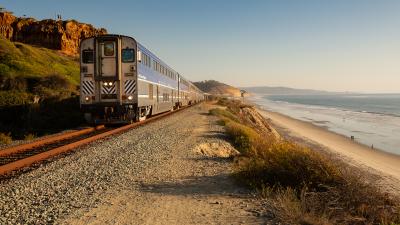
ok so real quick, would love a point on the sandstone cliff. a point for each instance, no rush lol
(58, 35)
(6, 20)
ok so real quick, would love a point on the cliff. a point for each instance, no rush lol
(53, 34)
(217, 88)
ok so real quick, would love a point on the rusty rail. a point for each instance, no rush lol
(25, 162)
(53, 139)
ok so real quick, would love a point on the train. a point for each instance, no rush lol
(124, 82)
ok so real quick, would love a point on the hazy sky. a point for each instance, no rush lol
(341, 45)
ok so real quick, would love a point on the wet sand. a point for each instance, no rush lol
(386, 164)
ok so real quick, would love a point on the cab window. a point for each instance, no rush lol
(109, 49)
(87, 56)
(128, 55)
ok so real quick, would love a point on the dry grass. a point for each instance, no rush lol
(29, 137)
(302, 185)
(5, 138)
(224, 114)
(286, 164)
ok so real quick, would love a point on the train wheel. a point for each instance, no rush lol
(130, 116)
(142, 114)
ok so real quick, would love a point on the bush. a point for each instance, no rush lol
(4, 69)
(13, 84)
(285, 164)
(11, 98)
(288, 207)
(244, 138)
(5, 138)
(29, 137)
(46, 117)
(223, 113)
(55, 82)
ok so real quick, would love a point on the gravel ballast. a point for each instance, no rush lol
(72, 185)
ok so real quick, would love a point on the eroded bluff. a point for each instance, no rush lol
(53, 34)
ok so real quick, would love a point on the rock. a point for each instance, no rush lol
(6, 30)
(216, 149)
(58, 35)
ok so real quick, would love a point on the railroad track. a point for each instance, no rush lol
(25, 155)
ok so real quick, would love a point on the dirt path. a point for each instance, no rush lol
(186, 188)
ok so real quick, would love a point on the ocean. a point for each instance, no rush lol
(373, 119)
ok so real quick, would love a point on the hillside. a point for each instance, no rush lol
(23, 60)
(38, 90)
(217, 88)
(27, 69)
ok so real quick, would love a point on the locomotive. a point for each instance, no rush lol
(123, 82)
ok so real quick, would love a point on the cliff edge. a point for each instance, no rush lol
(53, 34)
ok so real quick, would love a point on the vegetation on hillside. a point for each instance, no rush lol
(38, 90)
(19, 60)
(303, 186)
(217, 88)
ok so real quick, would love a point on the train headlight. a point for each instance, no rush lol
(130, 97)
(105, 83)
(87, 98)
(110, 83)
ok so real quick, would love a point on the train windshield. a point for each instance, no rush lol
(128, 55)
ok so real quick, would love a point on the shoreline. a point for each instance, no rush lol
(386, 164)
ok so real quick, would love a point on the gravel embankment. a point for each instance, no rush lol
(70, 186)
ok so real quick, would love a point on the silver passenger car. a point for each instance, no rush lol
(122, 81)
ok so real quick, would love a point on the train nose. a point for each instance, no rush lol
(108, 90)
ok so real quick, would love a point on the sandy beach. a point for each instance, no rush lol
(386, 165)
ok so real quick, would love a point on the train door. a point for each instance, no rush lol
(107, 69)
(108, 58)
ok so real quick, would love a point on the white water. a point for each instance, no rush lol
(380, 130)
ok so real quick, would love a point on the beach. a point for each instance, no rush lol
(386, 165)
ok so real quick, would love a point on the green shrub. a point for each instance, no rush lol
(4, 69)
(13, 84)
(244, 137)
(55, 82)
(11, 98)
(29, 137)
(225, 113)
(5, 138)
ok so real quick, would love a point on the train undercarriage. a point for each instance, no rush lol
(112, 114)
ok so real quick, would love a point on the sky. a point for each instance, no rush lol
(341, 45)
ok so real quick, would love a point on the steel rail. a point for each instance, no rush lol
(25, 147)
(25, 162)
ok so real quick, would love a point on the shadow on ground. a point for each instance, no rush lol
(217, 134)
(222, 184)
